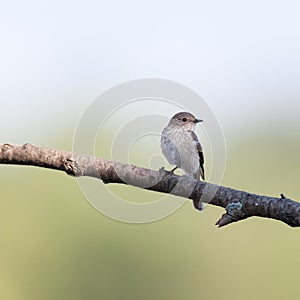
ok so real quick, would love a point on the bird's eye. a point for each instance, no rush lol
(184, 119)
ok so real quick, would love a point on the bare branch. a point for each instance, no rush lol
(239, 205)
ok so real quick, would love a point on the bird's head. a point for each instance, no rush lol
(184, 120)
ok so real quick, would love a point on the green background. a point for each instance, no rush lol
(55, 245)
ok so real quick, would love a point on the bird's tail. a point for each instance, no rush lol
(199, 205)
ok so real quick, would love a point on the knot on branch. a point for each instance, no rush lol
(7, 146)
(71, 167)
(26, 146)
(234, 213)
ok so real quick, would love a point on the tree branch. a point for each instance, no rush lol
(239, 205)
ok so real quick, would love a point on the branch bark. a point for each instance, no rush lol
(239, 205)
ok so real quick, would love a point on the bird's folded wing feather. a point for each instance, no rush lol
(200, 153)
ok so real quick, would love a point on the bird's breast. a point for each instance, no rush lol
(179, 148)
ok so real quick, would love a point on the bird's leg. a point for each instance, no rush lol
(162, 169)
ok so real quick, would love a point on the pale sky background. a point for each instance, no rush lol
(242, 57)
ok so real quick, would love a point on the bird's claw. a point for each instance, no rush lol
(163, 170)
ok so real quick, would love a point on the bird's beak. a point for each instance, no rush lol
(198, 120)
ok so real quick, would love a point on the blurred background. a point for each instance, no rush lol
(56, 57)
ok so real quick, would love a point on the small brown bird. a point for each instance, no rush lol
(181, 147)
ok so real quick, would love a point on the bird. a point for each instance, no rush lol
(181, 147)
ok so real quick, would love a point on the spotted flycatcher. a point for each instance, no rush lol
(181, 147)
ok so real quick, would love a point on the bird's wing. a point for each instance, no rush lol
(200, 153)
